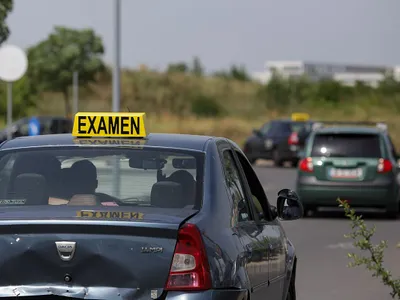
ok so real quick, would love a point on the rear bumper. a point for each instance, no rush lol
(380, 193)
(231, 294)
(110, 293)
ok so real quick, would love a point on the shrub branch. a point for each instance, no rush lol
(373, 260)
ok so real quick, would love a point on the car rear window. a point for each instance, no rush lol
(298, 126)
(85, 176)
(346, 145)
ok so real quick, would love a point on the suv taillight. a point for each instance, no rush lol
(306, 165)
(293, 139)
(384, 166)
(190, 269)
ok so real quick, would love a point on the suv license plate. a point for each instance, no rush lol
(346, 173)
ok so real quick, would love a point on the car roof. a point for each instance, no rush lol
(349, 129)
(181, 141)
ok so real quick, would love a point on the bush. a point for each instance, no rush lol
(373, 261)
(205, 106)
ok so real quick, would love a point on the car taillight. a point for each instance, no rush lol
(384, 166)
(293, 139)
(306, 165)
(190, 269)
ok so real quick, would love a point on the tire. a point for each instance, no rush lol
(252, 160)
(308, 210)
(392, 215)
(295, 162)
(247, 151)
(278, 162)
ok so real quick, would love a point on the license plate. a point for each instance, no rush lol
(346, 173)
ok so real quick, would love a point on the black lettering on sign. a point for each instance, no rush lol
(92, 128)
(81, 124)
(113, 125)
(115, 215)
(125, 125)
(135, 125)
(109, 214)
(102, 126)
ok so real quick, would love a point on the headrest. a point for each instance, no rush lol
(31, 187)
(188, 183)
(29, 162)
(38, 163)
(167, 194)
(83, 200)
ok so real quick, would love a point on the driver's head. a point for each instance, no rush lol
(84, 176)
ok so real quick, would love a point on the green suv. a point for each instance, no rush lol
(357, 164)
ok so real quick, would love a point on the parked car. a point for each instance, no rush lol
(280, 140)
(47, 125)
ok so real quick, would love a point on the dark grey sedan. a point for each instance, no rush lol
(173, 217)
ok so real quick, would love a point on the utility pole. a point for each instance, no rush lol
(117, 86)
(75, 93)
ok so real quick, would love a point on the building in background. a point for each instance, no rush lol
(345, 73)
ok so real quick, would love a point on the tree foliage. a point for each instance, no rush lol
(374, 253)
(6, 6)
(24, 97)
(54, 60)
(180, 67)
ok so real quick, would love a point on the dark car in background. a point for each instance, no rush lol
(354, 163)
(279, 140)
(47, 125)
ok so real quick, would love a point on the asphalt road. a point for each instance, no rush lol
(322, 250)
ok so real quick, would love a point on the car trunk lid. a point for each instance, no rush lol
(92, 258)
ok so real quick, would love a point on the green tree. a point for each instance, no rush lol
(197, 68)
(6, 6)
(239, 73)
(179, 67)
(276, 94)
(24, 97)
(54, 60)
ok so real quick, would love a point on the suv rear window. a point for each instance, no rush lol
(346, 145)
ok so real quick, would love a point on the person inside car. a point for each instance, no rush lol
(83, 177)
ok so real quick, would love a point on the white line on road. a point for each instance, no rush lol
(346, 246)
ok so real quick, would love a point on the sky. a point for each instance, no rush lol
(224, 32)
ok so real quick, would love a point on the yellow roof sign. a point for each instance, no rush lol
(300, 117)
(111, 124)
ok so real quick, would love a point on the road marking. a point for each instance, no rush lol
(346, 246)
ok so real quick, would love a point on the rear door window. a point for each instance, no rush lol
(347, 145)
(298, 126)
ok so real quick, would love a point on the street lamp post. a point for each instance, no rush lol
(117, 84)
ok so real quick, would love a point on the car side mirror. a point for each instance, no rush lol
(257, 132)
(289, 206)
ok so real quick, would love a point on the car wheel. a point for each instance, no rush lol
(295, 162)
(278, 162)
(308, 211)
(247, 151)
(392, 215)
